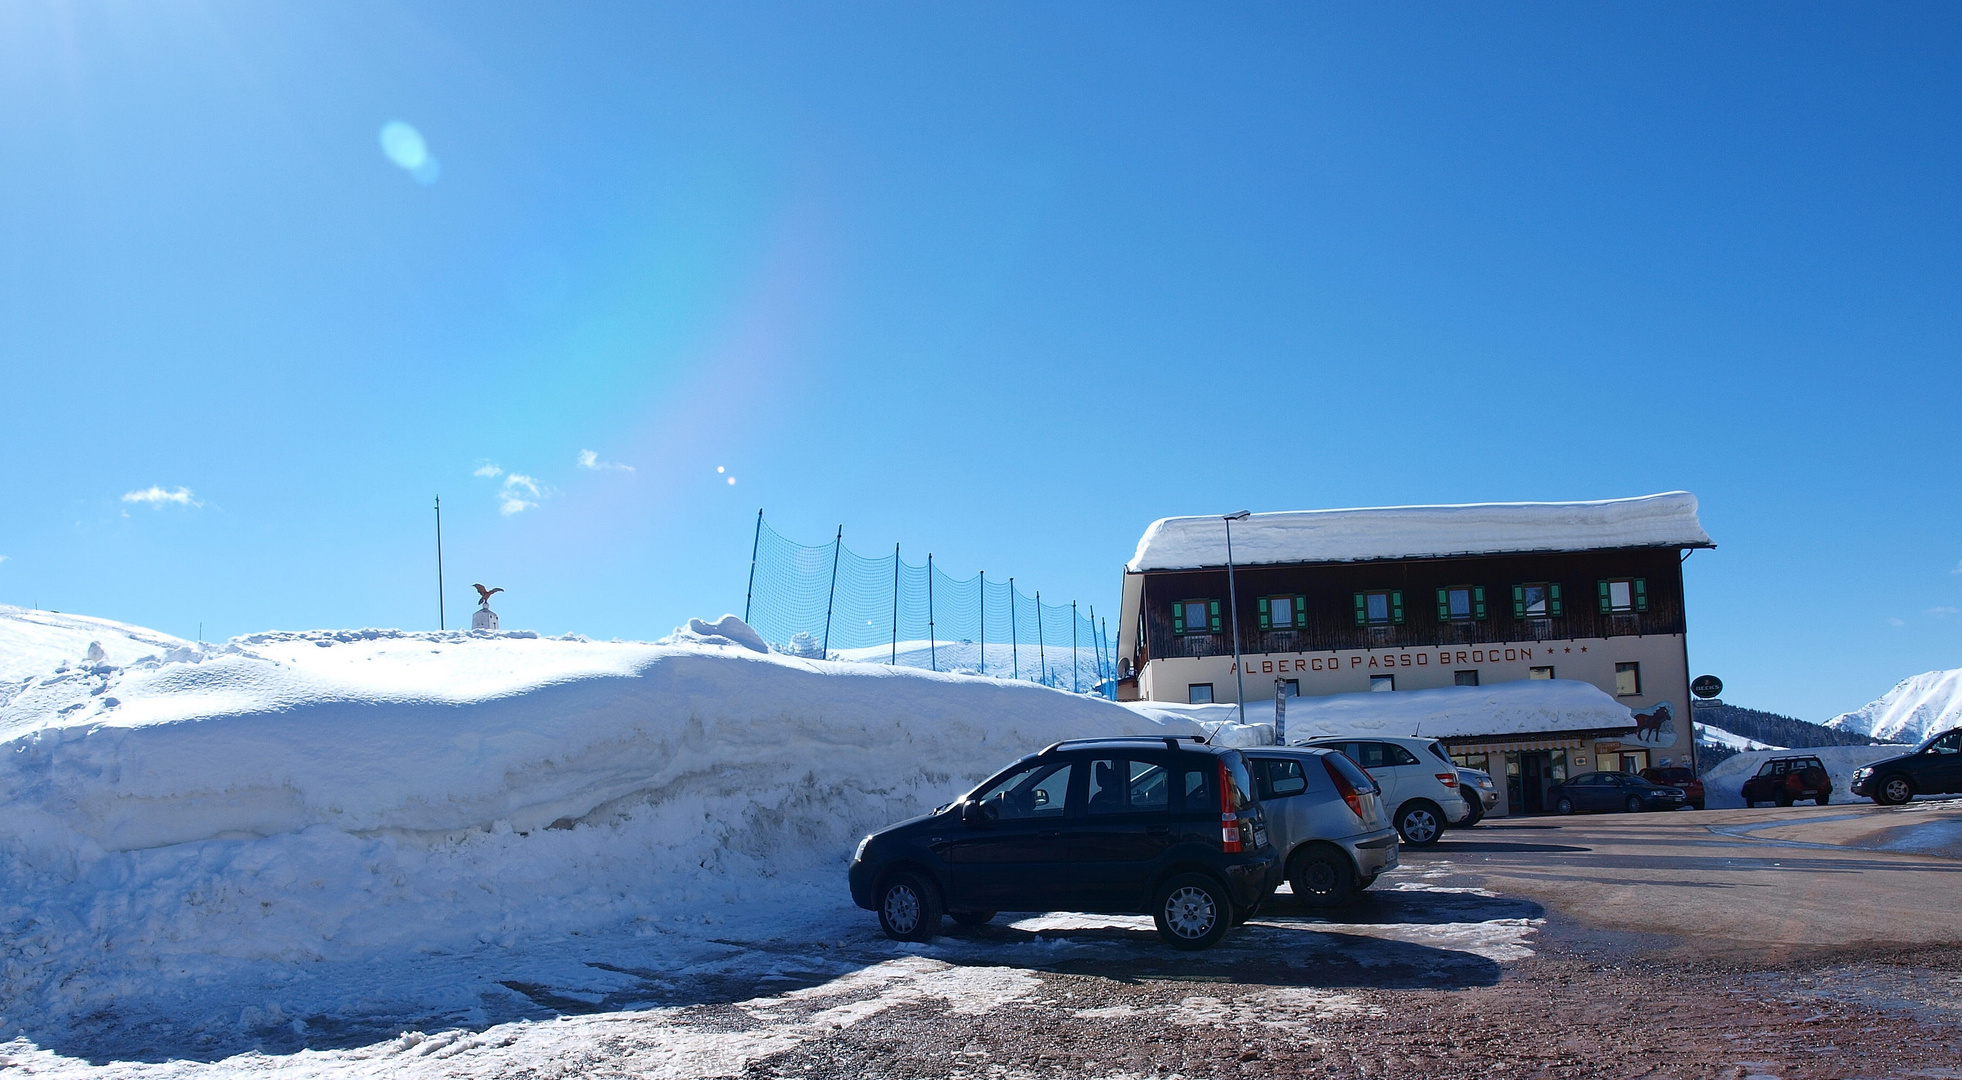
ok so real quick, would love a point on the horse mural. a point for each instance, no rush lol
(1656, 726)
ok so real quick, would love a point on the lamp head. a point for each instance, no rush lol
(1241, 516)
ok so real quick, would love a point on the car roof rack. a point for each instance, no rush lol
(1171, 741)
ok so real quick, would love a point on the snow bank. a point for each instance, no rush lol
(35, 643)
(1911, 711)
(1723, 785)
(1509, 708)
(1400, 532)
(367, 797)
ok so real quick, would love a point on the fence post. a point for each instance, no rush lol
(1014, 639)
(753, 544)
(836, 544)
(1075, 685)
(895, 605)
(1096, 644)
(933, 647)
(1042, 654)
(1110, 649)
(984, 622)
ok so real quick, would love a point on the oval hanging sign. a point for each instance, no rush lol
(1707, 686)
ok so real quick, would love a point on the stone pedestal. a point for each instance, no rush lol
(483, 619)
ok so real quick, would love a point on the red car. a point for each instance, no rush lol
(1677, 776)
(1786, 780)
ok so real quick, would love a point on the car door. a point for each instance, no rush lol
(1945, 763)
(1282, 783)
(1008, 855)
(1377, 761)
(1598, 791)
(1123, 833)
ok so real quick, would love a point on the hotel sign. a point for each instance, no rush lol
(1405, 658)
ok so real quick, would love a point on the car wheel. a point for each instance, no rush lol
(1696, 806)
(1366, 882)
(973, 918)
(1420, 823)
(1823, 799)
(1563, 805)
(1475, 813)
(1894, 790)
(1634, 804)
(1321, 877)
(909, 908)
(1193, 912)
(1784, 800)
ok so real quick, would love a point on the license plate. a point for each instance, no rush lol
(1392, 864)
(1260, 836)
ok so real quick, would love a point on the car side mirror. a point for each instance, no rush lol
(974, 813)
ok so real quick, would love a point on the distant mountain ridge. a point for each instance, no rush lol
(1914, 709)
(1777, 730)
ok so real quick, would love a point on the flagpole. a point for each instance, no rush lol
(441, 619)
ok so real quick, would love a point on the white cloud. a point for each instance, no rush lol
(158, 498)
(1958, 569)
(1896, 621)
(512, 494)
(590, 460)
(1943, 612)
(517, 482)
(513, 506)
(488, 469)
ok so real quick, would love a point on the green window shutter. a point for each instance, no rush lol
(1266, 618)
(1212, 611)
(1396, 605)
(1178, 617)
(1478, 601)
(1444, 605)
(1553, 598)
(1603, 584)
(1300, 611)
(1641, 594)
(1362, 609)
(1519, 601)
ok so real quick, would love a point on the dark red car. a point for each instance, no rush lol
(1677, 776)
(1785, 780)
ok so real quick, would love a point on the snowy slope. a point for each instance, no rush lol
(1388, 532)
(374, 821)
(37, 642)
(1911, 711)
(1723, 785)
(1716, 736)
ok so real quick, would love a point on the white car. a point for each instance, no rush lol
(1419, 782)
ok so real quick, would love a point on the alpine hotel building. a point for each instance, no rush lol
(1417, 597)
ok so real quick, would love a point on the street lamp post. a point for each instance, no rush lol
(1233, 613)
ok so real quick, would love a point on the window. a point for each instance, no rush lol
(1379, 608)
(1950, 743)
(1195, 617)
(1034, 792)
(1290, 687)
(1628, 680)
(1459, 603)
(1537, 600)
(1621, 595)
(1379, 755)
(1120, 786)
(1539, 673)
(1382, 682)
(1283, 612)
(1278, 778)
(1465, 678)
(1199, 693)
(1198, 790)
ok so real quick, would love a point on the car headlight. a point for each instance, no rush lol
(858, 853)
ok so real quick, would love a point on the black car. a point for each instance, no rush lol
(1133, 825)
(1933, 768)
(1614, 791)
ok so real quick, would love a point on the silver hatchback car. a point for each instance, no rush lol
(1325, 817)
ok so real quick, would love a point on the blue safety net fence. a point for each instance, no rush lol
(828, 601)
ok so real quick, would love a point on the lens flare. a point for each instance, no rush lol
(403, 145)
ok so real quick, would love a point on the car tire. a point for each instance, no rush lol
(1893, 790)
(1193, 911)
(1475, 813)
(1783, 800)
(1322, 876)
(909, 907)
(1634, 804)
(1823, 799)
(1563, 805)
(1696, 806)
(1420, 823)
(973, 918)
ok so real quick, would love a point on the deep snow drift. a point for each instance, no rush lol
(213, 847)
(1911, 711)
(34, 643)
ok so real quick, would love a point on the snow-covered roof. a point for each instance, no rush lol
(1407, 532)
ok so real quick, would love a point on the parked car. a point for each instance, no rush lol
(1784, 780)
(1419, 782)
(1614, 791)
(1480, 795)
(1155, 825)
(1325, 817)
(1933, 768)
(1677, 776)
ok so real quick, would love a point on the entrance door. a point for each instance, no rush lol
(1535, 767)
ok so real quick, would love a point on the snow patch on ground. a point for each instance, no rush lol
(1914, 709)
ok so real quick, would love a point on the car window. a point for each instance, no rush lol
(1278, 778)
(1437, 751)
(1950, 743)
(1370, 755)
(1239, 780)
(1197, 786)
(1037, 791)
(1397, 755)
(1123, 786)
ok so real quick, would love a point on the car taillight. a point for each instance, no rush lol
(1450, 779)
(1348, 790)
(1229, 825)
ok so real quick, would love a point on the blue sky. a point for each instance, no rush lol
(1004, 282)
